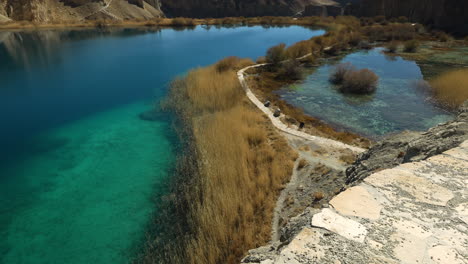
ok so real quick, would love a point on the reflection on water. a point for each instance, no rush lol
(41, 47)
(396, 105)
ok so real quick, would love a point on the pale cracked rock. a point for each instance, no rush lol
(357, 201)
(420, 188)
(415, 213)
(340, 225)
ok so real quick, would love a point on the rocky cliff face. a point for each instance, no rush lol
(450, 15)
(223, 8)
(410, 147)
(77, 10)
(407, 203)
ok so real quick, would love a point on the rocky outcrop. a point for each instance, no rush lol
(410, 147)
(406, 202)
(450, 15)
(225, 8)
(414, 213)
(323, 10)
(78, 10)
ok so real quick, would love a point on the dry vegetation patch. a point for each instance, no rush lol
(243, 165)
(451, 89)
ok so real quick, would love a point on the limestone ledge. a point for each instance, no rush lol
(413, 213)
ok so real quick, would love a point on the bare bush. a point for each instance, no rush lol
(359, 82)
(338, 74)
(290, 69)
(411, 46)
(392, 47)
(451, 89)
(276, 54)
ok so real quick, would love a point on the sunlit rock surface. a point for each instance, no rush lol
(414, 213)
(57, 11)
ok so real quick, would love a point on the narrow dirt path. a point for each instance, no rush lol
(103, 10)
(280, 125)
(296, 178)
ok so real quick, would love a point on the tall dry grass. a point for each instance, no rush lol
(242, 164)
(451, 88)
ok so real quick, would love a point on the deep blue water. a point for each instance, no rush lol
(78, 168)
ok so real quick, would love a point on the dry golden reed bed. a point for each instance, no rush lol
(243, 164)
(451, 88)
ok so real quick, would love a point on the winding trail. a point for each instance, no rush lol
(280, 125)
(103, 10)
(324, 142)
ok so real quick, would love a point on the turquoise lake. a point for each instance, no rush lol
(398, 103)
(78, 168)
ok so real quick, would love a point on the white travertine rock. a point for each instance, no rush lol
(299, 249)
(336, 223)
(445, 255)
(357, 201)
(462, 210)
(415, 213)
(420, 188)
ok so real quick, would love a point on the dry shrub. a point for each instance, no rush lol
(290, 70)
(355, 38)
(348, 158)
(389, 32)
(232, 63)
(392, 47)
(359, 82)
(411, 46)
(276, 54)
(243, 164)
(100, 24)
(299, 49)
(182, 22)
(338, 74)
(451, 88)
(318, 196)
(211, 90)
(442, 36)
(302, 164)
(353, 80)
(261, 60)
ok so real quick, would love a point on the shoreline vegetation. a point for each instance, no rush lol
(165, 22)
(234, 163)
(233, 168)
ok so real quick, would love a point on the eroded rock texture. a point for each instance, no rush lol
(451, 15)
(410, 146)
(414, 213)
(78, 10)
(223, 8)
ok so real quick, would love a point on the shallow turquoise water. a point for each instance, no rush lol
(78, 168)
(396, 105)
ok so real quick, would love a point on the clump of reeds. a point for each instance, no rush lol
(182, 22)
(392, 47)
(338, 74)
(411, 46)
(451, 88)
(242, 165)
(276, 54)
